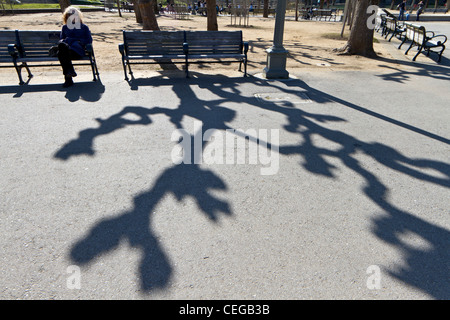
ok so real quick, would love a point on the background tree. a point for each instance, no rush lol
(136, 10)
(360, 41)
(64, 4)
(211, 15)
(148, 15)
(266, 9)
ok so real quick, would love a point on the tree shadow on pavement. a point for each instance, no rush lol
(424, 268)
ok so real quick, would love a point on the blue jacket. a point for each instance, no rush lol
(77, 38)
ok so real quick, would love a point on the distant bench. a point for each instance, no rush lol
(154, 47)
(261, 11)
(392, 27)
(33, 47)
(324, 13)
(426, 41)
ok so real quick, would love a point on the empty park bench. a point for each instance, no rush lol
(393, 27)
(151, 47)
(324, 13)
(380, 23)
(155, 47)
(425, 41)
(181, 12)
(31, 49)
(216, 45)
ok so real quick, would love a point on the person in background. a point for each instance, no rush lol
(75, 35)
(402, 8)
(419, 10)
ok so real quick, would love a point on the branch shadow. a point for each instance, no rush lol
(424, 268)
(182, 181)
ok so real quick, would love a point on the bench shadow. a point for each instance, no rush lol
(90, 91)
(428, 69)
(424, 268)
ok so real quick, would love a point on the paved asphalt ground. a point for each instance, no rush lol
(357, 205)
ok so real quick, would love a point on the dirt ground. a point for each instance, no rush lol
(309, 43)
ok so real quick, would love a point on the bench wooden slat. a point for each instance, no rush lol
(181, 45)
(7, 37)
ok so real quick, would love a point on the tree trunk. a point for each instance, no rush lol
(296, 10)
(137, 11)
(266, 9)
(360, 41)
(211, 15)
(411, 8)
(148, 15)
(392, 5)
(118, 8)
(64, 4)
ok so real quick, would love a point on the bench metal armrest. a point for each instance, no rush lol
(122, 48)
(439, 36)
(245, 47)
(89, 48)
(432, 34)
(12, 50)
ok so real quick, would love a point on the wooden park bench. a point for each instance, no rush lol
(155, 47)
(152, 47)
(181, 12)
(7, 39)
(380, 23)
(324, 13)
(127, 6)
(425, 41)
(393, 27)
(216, 45)
(31, 49)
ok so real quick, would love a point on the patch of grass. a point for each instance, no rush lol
(36, 6)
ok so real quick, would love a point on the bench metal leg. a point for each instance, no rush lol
(19, 72)
(418, 52)
(440, 53)
(404, 40)
(186, 67)
(245, 67)
(124, 69)
(410, 46)
(94, 67)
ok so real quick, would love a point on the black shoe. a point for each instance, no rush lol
(68, 82)
(72, 74)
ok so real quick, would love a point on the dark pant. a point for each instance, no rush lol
(65, 56)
